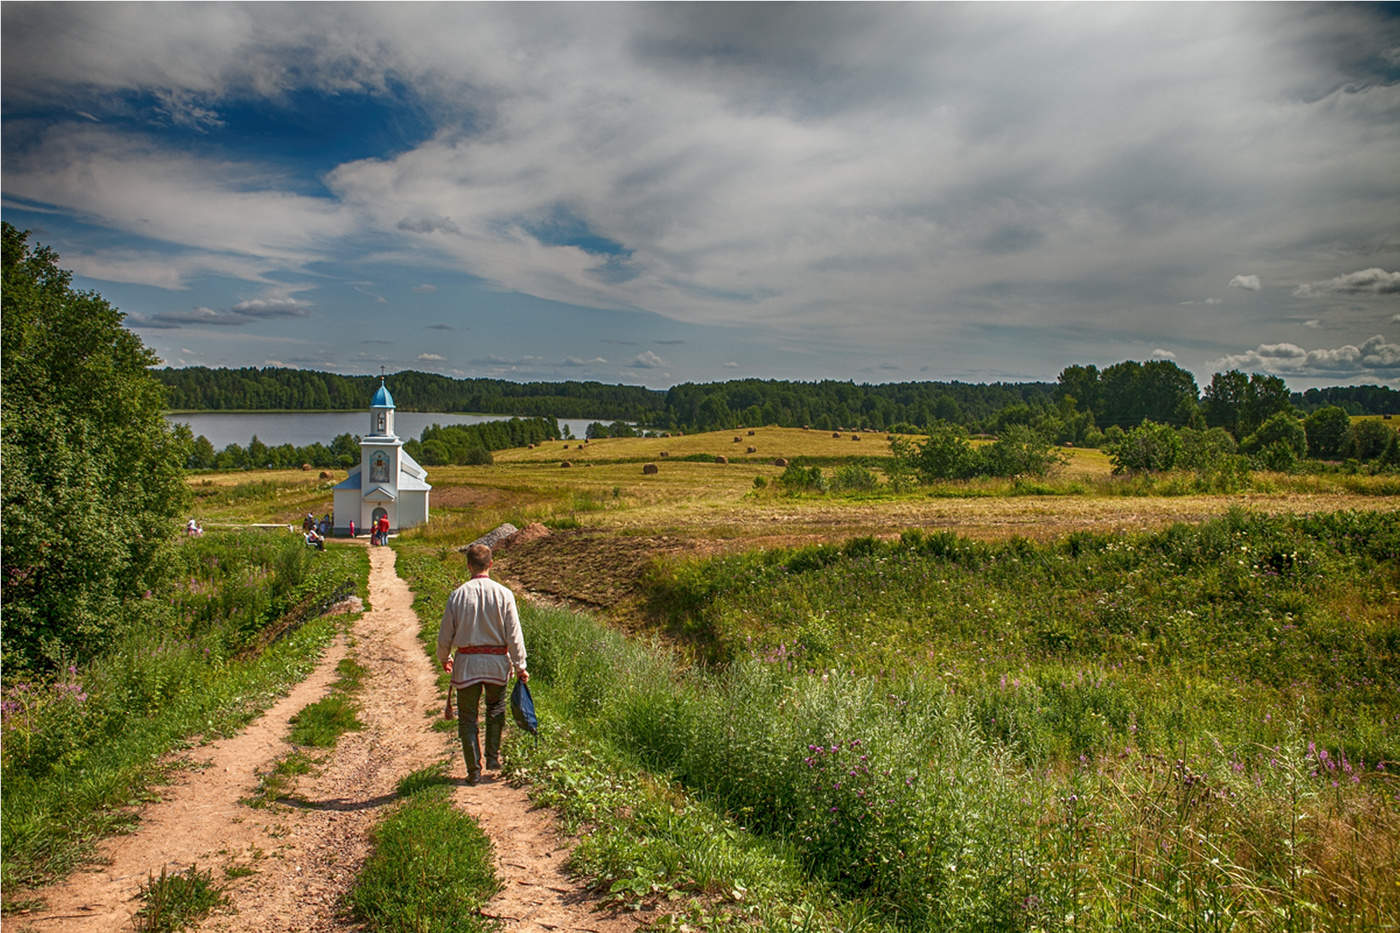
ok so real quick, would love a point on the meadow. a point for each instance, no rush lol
(1090, 705)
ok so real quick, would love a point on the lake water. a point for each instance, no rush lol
(301, 428)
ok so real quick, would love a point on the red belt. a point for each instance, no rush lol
(482, 649)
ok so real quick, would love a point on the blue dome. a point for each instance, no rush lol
(382, 398)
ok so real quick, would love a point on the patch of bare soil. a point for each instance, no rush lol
(306, 851)
(587, 568)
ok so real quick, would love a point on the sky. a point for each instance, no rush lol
(657, 194)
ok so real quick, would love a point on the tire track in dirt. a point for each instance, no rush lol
(307, 852)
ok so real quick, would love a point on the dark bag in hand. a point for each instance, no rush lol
(522, 708)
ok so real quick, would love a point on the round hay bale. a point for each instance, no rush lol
(750, 433)
(721, 460)
(835, 433)
(737, 439)
(306, 466)
(781, 461)
(649, 468)
(855, 437)
(664, 454)
(751, 450)
(532, 446)
(565, 464)
(325, 475)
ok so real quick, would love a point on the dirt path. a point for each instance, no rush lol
(305, 854)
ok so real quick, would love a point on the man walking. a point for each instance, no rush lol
(481, 627)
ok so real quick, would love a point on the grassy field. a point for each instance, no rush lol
(1079, 702)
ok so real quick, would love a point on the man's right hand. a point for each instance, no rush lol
(524, 676)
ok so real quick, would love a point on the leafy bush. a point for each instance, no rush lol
(1279, 444)
(1368, 440)
(797, 478)
(1147, 448)
(1326, 431)
(854, 477)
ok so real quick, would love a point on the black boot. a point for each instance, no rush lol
(494, 725)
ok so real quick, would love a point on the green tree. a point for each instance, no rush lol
(1367, 440)
(1327, 431)
(93, 472)
(1279, 443)
(1019, 451)
(1147, 448)
(945, 454)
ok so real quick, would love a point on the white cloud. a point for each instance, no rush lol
(224, 216)
(647, 360)
(1314, 324)
(273, 307)
(1160, 354)
(431, 358)
(1376, 357)
(731, 365)
(424, 289)
(1373, 281)
(727, 151)
(573, 361)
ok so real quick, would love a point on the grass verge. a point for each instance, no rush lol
(80, 753)
(430, 867)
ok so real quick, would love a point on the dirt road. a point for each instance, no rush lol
(305, 852)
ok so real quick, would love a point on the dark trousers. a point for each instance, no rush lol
(468, 699)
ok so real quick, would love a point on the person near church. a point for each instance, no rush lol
(384, 529)
(481, 643)
(352, 528)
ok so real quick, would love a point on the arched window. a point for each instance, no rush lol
(381, 422)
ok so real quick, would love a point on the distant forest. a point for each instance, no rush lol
(1082, 400)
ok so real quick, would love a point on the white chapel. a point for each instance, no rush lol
(387, 482)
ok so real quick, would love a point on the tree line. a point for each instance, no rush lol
(199, 388)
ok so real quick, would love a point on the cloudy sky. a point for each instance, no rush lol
(654, 194)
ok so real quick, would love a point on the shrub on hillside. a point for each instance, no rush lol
(1147, 448)
(1326, 430)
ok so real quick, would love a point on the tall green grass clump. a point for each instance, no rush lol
(430, 868)
(242, 621)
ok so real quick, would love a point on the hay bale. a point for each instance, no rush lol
(751, 450)
(325, 475)
(306, 466)
(750, 433)
(649, 468)
(565, 464)
(835, 433)
(664, 454)
(721, 460)
(781, 461)
(855, 437)
(737, 439)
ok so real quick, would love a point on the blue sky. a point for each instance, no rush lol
(654, 194)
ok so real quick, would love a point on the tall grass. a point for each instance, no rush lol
(894, 794)
(1189, 730)
(239, 626)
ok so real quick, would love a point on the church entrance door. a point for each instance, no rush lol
(379, 513)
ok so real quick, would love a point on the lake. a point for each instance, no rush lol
(301, 428)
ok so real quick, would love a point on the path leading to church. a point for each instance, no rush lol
(305, 853)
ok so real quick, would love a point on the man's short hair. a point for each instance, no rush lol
(478, 557)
